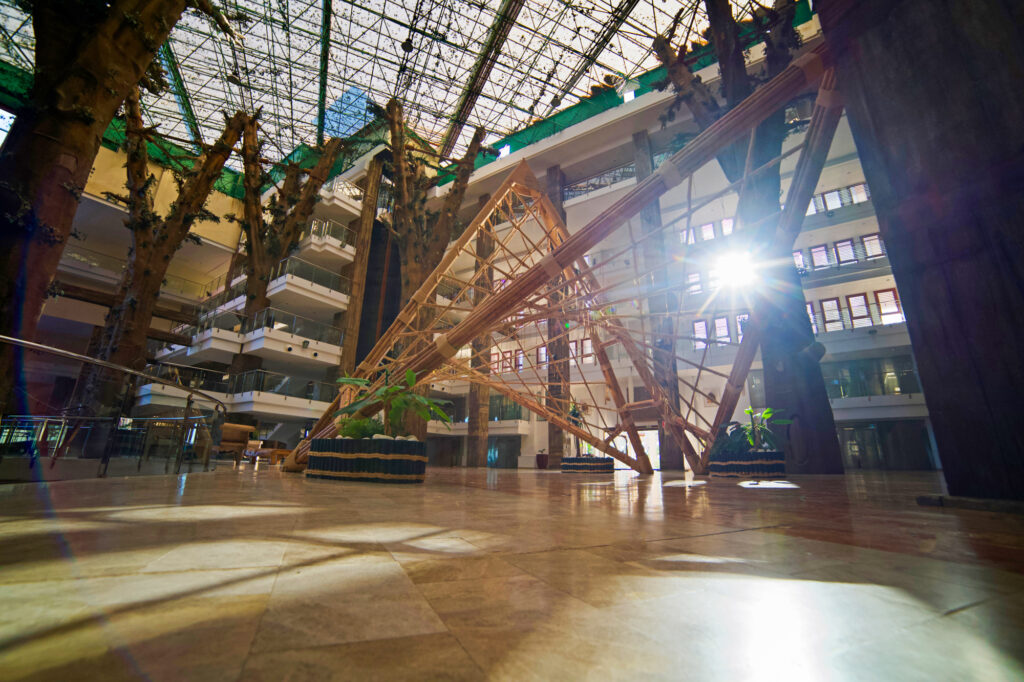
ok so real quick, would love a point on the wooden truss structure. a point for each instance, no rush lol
(521, 306)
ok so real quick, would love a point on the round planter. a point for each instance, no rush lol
(588, 465)
(367, 460)
(761, 464)
(542, 461)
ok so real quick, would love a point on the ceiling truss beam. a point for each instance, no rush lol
(181, 94)
(503, 23)
(615, 21)
(325, 55)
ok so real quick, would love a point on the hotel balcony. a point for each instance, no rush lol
(279, 336)
(296, 285)
(276, 397)
(327, 243)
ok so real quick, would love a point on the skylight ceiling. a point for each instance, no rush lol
(554, 52)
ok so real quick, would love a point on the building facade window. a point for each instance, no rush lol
(819, 256)
(872, 246)
(542, 355)
(693, 285)
(741, 322)
(889, 309)
(727, 225)
(707, 232)
(812, 318)
(860, 314)
(831, 314)
(700, 331)
(845, 253)
(798, 260)
(588, 352)
(721, 328)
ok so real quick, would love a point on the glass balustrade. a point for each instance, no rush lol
(272, 318)
(328, 228)
(281, 384)
(191, 377)
(173, 284)
(296, 267)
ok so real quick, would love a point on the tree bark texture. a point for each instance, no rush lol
(268, 242)
(558, 388)
(86, 64)
(661, 305)
(934, 98)
(422, 235)
(479, 401)
(793, 381)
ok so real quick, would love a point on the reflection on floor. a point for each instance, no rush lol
(504, 575)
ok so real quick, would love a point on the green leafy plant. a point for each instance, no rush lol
(353, 427)
(396, 401)
(736, 438)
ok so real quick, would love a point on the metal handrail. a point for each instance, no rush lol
(43, 348)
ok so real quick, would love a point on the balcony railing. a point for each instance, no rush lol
(281, 384)
(855, 384)
(301, 269)
(172, 284)
(337, 185)
(860, 317)
(272, 318)
(842, 254)
(321, 228)
(599, 181)
(191, 377)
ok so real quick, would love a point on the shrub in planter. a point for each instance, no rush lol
(748, 450)
(363, 452)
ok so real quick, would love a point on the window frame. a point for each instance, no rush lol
(699, 344)
(829, 324)
(896, 301)
(825, 250)
(857, 321)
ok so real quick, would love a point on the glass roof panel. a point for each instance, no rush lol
(422, 51)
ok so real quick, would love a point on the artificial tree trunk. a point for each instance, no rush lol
(87, 61)
(793, 380)
(422, 235)
(479, 400)
(269, 242)
(933, 93)
(154, 241)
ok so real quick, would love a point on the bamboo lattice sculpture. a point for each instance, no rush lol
(539, 272)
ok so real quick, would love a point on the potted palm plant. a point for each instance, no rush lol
(373, 450)
(748, 450)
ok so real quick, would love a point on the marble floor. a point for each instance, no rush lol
(496, 574)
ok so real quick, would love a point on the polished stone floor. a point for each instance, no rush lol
(258, 575)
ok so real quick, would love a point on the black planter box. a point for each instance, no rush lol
(367, 460)
(763, 464)
(588, 465)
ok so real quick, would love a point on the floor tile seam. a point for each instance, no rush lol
(447, 628)
(131, 574)
(259, 623)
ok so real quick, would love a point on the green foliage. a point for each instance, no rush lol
(736, 438)
(396, 401)
(352, 427)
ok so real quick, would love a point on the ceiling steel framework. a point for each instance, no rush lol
(455, 64)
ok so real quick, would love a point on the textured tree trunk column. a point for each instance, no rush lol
(364, 235)
(934, 96)
(558, 350)
(665, 364)
(479, 402)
